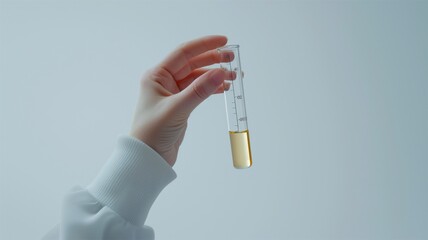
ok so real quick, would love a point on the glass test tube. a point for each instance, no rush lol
(235, 109)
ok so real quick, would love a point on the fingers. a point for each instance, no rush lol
(200, 89)
(224, 87)
(180, 63)
(208, 58)
(182, 84)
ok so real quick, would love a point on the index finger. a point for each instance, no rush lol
(177, 63)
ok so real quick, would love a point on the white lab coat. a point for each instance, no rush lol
(116, 204)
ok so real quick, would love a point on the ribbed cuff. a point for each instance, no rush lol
(131, 180)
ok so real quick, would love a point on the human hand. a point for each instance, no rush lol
(170, 91)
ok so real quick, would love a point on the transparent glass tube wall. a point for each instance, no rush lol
(235, 108)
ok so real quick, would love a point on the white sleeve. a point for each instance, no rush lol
(116, 204)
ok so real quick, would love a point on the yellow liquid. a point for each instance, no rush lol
(241, 151)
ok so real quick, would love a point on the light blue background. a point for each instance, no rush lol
(337, 102)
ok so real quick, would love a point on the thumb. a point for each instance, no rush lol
(200, 89)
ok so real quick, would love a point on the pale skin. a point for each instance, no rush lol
(173, 89)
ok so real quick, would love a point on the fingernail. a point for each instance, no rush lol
(226, 86)
(227, 57)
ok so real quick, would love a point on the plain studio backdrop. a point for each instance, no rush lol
(337, 102)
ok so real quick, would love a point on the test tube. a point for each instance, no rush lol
(235, 108)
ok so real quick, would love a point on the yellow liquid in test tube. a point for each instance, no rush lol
(241, 151)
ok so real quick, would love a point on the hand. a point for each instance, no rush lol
(171, 90)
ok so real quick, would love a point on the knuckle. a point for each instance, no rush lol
(200, 92)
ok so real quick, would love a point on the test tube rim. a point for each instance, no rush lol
(231, 46)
